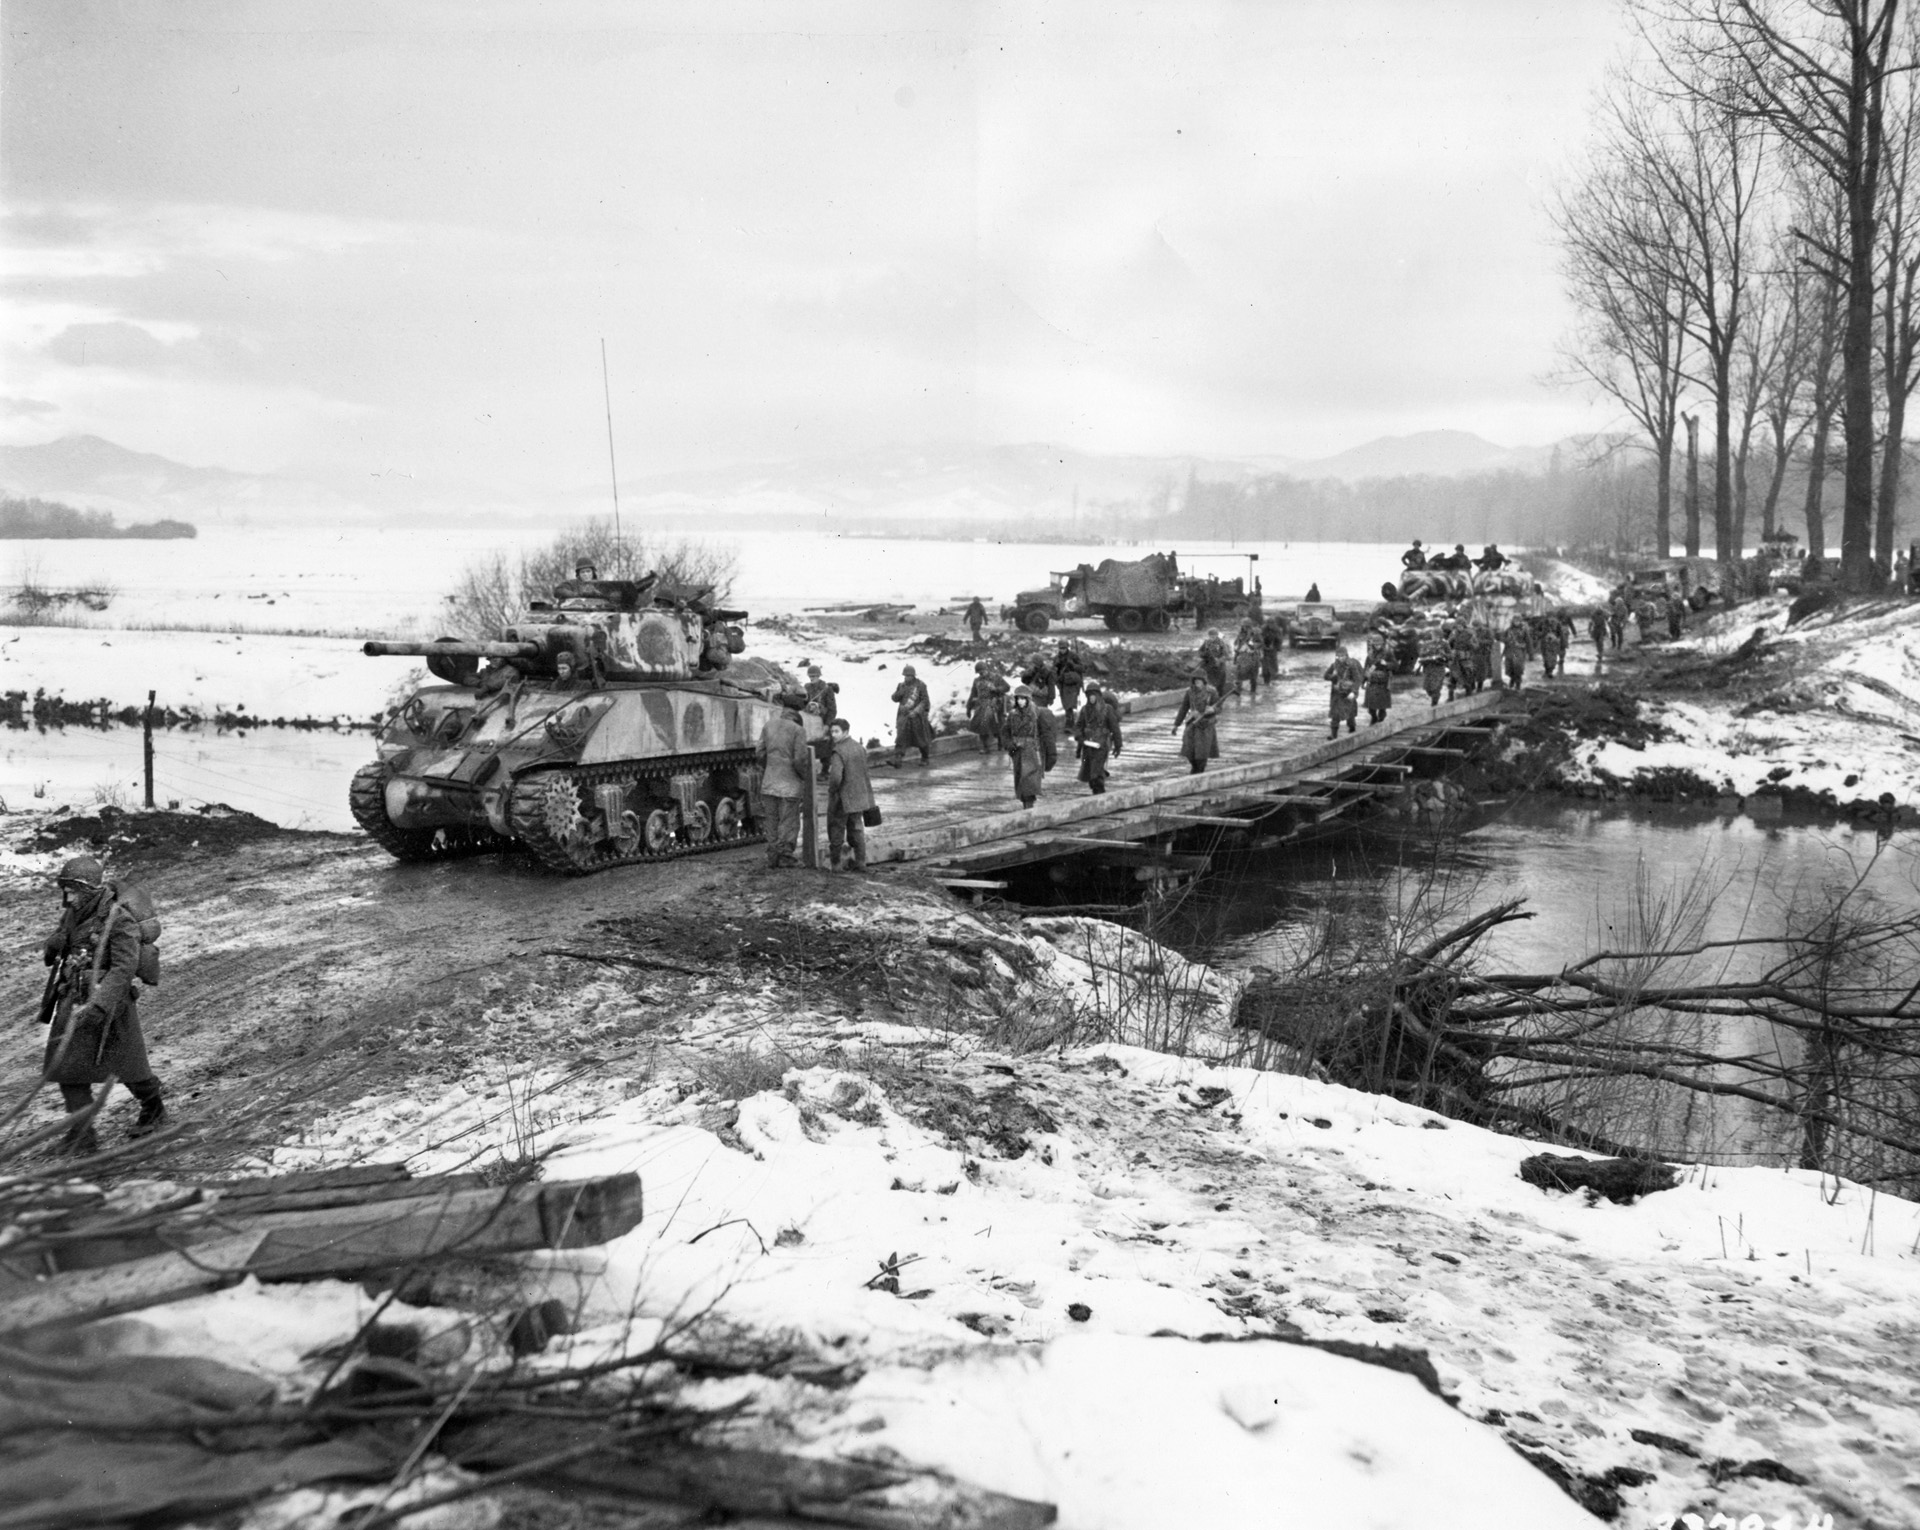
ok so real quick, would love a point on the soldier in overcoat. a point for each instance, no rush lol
(94, 1034)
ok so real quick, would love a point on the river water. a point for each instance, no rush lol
(1594, 879)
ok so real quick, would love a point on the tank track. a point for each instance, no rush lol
(527, 811)
(367, 798)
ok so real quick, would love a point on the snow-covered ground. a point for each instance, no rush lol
(1847, 721)
(1093, 1315)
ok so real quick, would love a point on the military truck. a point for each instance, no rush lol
(1138, 596)
(1698, 581)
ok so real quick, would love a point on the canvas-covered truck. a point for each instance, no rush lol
(1141, 595)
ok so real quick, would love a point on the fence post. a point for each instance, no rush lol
(146, 745)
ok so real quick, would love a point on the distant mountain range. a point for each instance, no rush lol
(92, 473)
(935, 488)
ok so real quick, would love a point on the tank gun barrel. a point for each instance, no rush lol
(378, 648)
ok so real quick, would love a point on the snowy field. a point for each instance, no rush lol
(1043, 1339)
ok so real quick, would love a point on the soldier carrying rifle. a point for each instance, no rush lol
(91, 1005)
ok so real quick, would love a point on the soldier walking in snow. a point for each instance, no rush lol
(92, 1007)
(1198, 709)
(1097, 733)
(1213, 661)
(1379, 694)
(1518, 648)
(1030, 743)
(975, 617)
(987, 707)
(1069, 676)
(912, 727)
(1344, 679)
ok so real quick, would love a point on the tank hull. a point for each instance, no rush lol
(584, 777)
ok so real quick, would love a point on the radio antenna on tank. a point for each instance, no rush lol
(613, 469)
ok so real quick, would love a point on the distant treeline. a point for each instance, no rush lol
(24, 518)
(1607, 503)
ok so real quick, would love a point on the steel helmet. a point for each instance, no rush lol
(81, 871)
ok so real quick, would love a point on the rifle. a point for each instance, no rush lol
(50, 996)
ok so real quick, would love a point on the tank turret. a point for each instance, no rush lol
(613, 723)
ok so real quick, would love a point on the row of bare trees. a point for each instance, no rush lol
(1743, 244)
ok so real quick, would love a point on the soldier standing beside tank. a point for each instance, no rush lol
(975, 617)
(786, 779)
(1344, 678)
(1414, 557)
(849, 796)
(1198, 709)
(93, 1008)
(1069, 676)
(823, 703)
(1433, 664)
(912, 725)
(1097, 733)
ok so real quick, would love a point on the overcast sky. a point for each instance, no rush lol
(343, 240)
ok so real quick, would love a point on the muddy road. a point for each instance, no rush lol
(303, 970)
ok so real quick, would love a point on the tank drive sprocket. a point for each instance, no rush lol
(552, 812)
(367, 798)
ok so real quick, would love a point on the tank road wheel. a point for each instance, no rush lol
(659, 833)
(1108, 618)
(1159, 619)
(1034, 619)
(627, 836)
(728, 819)
(1129, 619)
(698, 824)
(367, 798)
(548, 814)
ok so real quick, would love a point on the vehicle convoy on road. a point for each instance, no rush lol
(609, 725)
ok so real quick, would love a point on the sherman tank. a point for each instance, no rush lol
(609, 725)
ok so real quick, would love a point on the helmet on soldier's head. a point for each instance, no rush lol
(83, 871)
(813, 671)
(584, 569)
(907, 671)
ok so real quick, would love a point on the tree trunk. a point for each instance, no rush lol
(1722, 458)
(1740, 503)
(1770, 506)
(1693, 485)
(1817, 482)
(1856, 346)
(1663, 495)
(1889, 504)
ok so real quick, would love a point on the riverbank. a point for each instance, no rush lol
(1095, 1211)
(1814, 720)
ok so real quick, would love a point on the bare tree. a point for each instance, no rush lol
(1786, 361)
(1703, 165)
(1815, 73)
(1618, 267)
(1899, 287)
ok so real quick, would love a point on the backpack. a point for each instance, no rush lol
(131, 900)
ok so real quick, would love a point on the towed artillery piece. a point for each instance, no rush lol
(608, 726)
